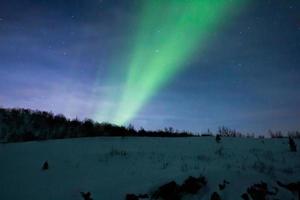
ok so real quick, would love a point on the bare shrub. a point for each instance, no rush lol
(293, 146)
(275, 134)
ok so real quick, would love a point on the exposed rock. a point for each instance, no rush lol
(192, 185)
(86, 195)
(223, 185)
(169, 191)
(215, 196)
(259, 191)
(131, 197)
(245, 196)
(218, 138)
(292, 187)
(143, 196)
(293, 146)
(45, 166)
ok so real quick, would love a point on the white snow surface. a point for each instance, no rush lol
(111, 167)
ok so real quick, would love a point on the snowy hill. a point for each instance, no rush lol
(111, 167)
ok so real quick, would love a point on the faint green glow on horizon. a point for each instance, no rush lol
(168, 33)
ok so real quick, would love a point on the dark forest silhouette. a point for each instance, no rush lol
(17, 125)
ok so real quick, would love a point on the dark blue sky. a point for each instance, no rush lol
(57, 55)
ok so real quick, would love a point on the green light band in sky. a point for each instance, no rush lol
(169, 32)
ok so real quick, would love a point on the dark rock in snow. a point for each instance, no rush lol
(143, 196)
(259, 191)
(292, 187)
(45, 166)
(218, 138)
(132, 197)
(169, 191)
(172, 191)
(223, 185)
(293, 146)
(215, 196)
(136, 197)
(245, 196)
(86, 195)
(192, 185)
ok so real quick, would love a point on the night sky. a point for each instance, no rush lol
(71, 57)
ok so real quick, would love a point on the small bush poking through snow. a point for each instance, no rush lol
(292, 187)
(45, 166)
(192, 185)
(218, 138)
(132, 197)
(86, 195)
(169, 191)
(260, 191)
(293, 146)
(136, 197)
(173, 191)
(245, 196)
(215, 196)
(223, 185)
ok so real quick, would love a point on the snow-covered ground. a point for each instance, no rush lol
(110, 167)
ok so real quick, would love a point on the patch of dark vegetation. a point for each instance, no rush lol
(294, 134)
(292, 187)
(173, 191)
(192, 185)
(279, 134)
(258, 191)
(275, 134)
(215, 196)
(45, 166)
(218, 138)
(19, 125)
(86, 195)
(227, 132)
(136, 197)
(245, 196)
(169, 191)
(143, 196)
(206, 135)
(292, 144)
(223, 185)
(131, 197)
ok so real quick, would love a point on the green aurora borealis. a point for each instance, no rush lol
(168, 33)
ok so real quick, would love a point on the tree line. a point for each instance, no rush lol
(18, 125)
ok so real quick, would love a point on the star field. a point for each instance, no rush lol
(71, 57)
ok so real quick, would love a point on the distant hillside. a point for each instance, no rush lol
(27, 125)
